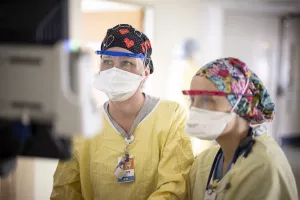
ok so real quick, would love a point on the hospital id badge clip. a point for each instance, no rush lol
(127, 166)
(210, 194)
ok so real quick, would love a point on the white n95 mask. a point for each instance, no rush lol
(117, 84)
(206, 124)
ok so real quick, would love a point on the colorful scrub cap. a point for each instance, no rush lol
(127, 37)
(231, 75)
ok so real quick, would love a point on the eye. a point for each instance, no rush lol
(204, 99)
(204, 102)
(127, 64)
(191, 101)
(108, 62)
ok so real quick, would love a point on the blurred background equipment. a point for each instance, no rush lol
(46, 83)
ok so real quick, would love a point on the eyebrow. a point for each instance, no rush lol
(106, 56)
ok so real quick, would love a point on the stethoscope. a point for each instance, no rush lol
(245, 146)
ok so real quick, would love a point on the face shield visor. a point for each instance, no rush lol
(129, 62)
(207, 121)
(212, 100)
(120, 74)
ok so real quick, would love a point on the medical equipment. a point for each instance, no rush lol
(49, 84)
(45, 84)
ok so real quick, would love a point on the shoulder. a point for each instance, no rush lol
(205, 159)
(202, 165)
(172, 106)
(266, 159)
(264, 174)
(170, 118)
(81, 146)
(166, 111)
(168, 105)
(267, 152)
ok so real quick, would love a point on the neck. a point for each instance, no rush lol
(229, 144)
(129, 108)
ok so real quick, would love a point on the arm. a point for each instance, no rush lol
(66, 181)
(175, 163)
(191, 180)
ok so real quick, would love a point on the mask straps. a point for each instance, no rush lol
(244, 90)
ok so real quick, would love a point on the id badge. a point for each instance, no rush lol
(128, 167)
(210, 195)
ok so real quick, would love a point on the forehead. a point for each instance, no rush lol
(202, 83)
(118, 49)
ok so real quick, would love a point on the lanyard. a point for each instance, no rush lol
(119, 171)
(245, 145)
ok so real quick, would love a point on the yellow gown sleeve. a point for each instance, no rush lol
(191, 180)
(66, 180)
(264, 181)
(176, 160)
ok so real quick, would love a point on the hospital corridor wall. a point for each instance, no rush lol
(288, 113)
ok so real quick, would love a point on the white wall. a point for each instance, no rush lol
(106, 6)
(177, 21)
(149, 30)
(75, 23)
(288, 107)
(254, 37)
(43, 178)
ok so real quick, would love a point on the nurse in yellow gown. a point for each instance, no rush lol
(229, 105)
(142, 152)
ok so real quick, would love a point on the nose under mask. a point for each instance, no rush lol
(207, 125)
(117, 84)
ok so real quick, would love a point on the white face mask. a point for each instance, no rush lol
(117, 84)
(207, 125)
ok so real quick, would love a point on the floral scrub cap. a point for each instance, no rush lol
(230, 75)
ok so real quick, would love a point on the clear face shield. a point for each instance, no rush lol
(129, 62)
(213, 100)
(201, 99)
(210, 113)
(120, 74)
